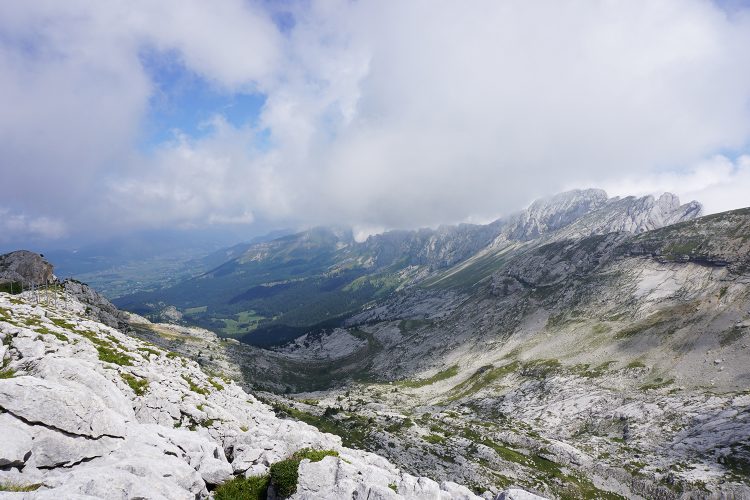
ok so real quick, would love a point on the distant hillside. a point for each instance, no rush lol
(271, 292)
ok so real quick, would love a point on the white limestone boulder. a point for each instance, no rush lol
(58, 406)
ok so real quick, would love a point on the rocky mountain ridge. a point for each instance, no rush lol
(278, 290)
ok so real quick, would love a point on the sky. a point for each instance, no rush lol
(120, 116)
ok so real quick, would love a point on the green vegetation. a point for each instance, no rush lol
(194, 387)
(658, 383)
(215, 383)
(540, 368)
(635, 364)
(480, 379)
(244, 488)
(353, 429)
(46, 331)
(585, 370)
(434, 438)
(7, 373)
(400, 425)
(62, 323)
(12, 287)
(107, 351)
(139, 385)
(665, 321)
(16, 487)
(393, 487)
(442, 375)
(731, 336)
(245, 322)
(146, 351)
(284, 474)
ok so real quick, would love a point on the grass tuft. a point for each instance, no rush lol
(195, 387)
(17, 487)
(442, 375)
(139, 385)
(244, 488)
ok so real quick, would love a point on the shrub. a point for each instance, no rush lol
(244, 488)
(284, 476)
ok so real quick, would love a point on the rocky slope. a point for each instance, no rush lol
(596, 366)
(89, 412)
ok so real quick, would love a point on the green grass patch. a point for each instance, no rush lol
(106, 350)
(658, 383)
(540, 368)
(146, 352)
(635, 364)
(480, 379)
(46, 331)
(441, 375)
(7, 373)
(62, 323)
(139, 385)
(215, 383)
(244, 488)
(195, 387)
(18, 487)
(434, 438)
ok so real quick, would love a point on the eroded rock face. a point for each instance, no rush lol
(97, 306)
(25, 267)
(89, 412)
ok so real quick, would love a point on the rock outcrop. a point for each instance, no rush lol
(27, 268)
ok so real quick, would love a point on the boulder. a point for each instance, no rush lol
(25, 267)
(81, 374)
(61, 407)
(17, 443)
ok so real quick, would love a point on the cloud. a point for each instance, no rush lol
(17, 225)
(393, 114)
(719, 183)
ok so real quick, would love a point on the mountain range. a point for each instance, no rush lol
(585, 347)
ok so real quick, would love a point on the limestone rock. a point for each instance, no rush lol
(61, 407)
(17, 442)
(25, 267)
(517, 494)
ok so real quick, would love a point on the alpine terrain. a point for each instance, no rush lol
(585, 347)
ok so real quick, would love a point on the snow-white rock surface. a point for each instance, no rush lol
(89, 412)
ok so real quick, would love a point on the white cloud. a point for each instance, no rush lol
(14, 226)
(719, 183)
(378, 114)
